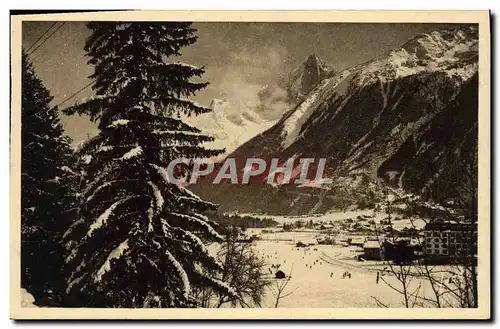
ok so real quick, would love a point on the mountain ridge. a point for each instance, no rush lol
(364, 117)
(232, 126)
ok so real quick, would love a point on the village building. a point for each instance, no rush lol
(450, 242)
(386, 221)
(399, 250)
(372, 250)
(328, 240)
(280, 274)
(357, 241)
(326, 227)
(300, 244)
(366, 226)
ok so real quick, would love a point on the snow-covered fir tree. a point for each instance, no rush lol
(46, 196)
(139, 240)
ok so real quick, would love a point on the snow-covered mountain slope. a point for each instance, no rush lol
(230, 126)
(453, 52)
(401, 118)
(450, 54)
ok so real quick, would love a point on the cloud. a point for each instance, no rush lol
(249, 80)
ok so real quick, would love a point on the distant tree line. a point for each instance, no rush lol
(298, 225)
(245, 221)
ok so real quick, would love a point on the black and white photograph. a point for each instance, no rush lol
(251, 165)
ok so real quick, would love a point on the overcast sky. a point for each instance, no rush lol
(239, 58)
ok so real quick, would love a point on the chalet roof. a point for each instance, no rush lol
(449, 225)
(371, 245)
(280, 274)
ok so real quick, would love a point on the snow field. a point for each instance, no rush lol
(317, 281)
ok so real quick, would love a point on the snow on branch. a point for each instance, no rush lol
(72, 226)
(71, 256)
(99, 188)
(161, 171)
(189, 193)
(184, 65)
(180, 272)
(73, 282)
(67, 169)
(105, 185)
(164, 226)
(150, 213)
(198, 244)
(136, 151)
(106, 148)
(101, 220)
(176, 132)
(219, 283)
(200, 222)
(119, 122)
(157, 194)
(115, 254)
(193, 103)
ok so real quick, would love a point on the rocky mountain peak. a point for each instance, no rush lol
(451, 51)
(306, 77)
(431, 46)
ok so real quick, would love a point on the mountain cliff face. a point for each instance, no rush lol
(406, 118)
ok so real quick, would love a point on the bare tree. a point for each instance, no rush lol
(279, 287)
(242, 270)
(461, 206)
(456, 284)
(402, 271)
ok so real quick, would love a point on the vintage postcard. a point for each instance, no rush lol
(250, 165)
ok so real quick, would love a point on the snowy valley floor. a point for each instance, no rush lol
(317, 271)
(316, 277)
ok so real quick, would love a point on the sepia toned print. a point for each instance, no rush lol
(245, 167)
